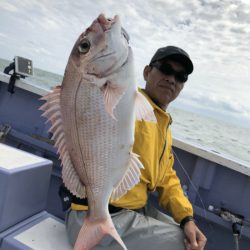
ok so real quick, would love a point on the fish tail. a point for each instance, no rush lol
(92, 232)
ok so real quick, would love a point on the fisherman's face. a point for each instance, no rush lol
(163, 88)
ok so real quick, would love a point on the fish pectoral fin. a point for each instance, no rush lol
(52, 111)
(143, 109)
(112, 94)
(92, 232)
(130, 179)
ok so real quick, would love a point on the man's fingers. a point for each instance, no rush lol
(187, 244)
(195, 239)
(190, 246)
(202, 240)
(192, 240)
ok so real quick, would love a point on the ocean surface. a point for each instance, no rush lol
(216, 135)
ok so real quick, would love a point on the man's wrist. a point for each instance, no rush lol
(186, 220)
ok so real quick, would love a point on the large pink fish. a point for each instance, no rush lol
(93, 115)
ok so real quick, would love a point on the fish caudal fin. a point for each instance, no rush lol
(130, 179)
(91, 234)
(144, 111)
(112, 94)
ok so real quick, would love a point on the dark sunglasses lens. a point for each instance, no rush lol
(181, 77)
(167, 69)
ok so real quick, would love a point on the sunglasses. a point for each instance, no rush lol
(167, 69)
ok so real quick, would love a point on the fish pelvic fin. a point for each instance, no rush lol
(52, 111)
(143, 109)
(112, 94)
(92, 232)
(130, 179)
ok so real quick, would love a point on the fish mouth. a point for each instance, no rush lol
(102, 22)
(110, 70)
(114, 65)
(107, 26)
(100, 57)
(104, 55)
(106, 23)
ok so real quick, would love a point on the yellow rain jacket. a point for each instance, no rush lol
(153, 143)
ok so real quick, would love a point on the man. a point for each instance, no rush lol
(141, 225)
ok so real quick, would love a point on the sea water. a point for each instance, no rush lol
(216, 135)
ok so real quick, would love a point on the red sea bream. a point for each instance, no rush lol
(92, 115)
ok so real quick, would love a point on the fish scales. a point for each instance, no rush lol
(97, 135)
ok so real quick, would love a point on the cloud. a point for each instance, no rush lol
(216, 34)
(3, 35)
(49, 24)
(222, 102)
(8, 7)
(207, 25)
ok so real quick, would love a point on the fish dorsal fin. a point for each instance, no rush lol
(52, 111)
(143, 109)
(112, 94)
(130, 179)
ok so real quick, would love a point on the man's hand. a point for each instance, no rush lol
(194, 238)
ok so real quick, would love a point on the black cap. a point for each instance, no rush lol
(176, 54)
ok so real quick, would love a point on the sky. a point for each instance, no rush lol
(216, 34)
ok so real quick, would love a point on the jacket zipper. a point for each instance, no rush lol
(163, 150)
(162, 153)
(165, 143)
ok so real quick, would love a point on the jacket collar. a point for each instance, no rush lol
(155, 106)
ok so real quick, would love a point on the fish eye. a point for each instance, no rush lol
(84, 46)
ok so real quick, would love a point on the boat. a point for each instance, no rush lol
(31, 214)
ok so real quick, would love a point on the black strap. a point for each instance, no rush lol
(186, 220)
(67, 198)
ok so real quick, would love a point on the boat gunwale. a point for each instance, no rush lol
(195, 149)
